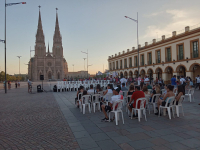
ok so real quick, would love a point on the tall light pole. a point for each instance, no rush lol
(137, 40)
(8, 4)
(30, 64)
(87, 61)
(19, 63)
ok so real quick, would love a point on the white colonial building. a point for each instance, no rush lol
(177, 54)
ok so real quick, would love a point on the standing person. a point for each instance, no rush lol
(16, 84)
(197, 82)
(139, 80)
(123, 80)
(9, 85)
(173, 81)
(29, 86)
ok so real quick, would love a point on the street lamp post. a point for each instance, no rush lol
(84, 63)
(73, 67)
(137, 39)
(19, 63)
(8, 4)
(87, 61)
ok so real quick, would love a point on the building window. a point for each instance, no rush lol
(120, 64)
(149, 58)
(168, 55)
(130, 62)
(110, 66)
(142, 60)
(135, 61)
(195, 49)
(116, 64)
(158, 57)
(180, 52)
(125, 63)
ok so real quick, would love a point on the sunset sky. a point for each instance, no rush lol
(96, 25)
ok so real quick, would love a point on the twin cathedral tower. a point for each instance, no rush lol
(50, 64)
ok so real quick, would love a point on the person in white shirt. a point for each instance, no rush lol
(114, 98)
(123, 80)
(197, 82)
(91, 90)
(182, 80)
(139, 80)
(146, 80)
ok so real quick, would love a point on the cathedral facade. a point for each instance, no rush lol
(50, 64)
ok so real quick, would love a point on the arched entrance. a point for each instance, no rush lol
(130, 74)
(181, 71)
(150, 73)
(125, 74)
(142, 73)
(136, 73)
(169, 74)
(49, 75)
(195, 69)
(159, 72)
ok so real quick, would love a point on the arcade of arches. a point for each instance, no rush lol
(166, 73)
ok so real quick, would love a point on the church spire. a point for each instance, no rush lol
(57, 36)
(40, 34)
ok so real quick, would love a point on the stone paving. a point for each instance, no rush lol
(33, 121)
(51, 121)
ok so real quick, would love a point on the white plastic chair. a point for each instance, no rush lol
(179, 105)
(147, 96)
(168, 105)
(154, 103)
(96, 100)
(117, 108)
(107, 97)
(59, 86)
(142, 108)
(190, 94)
(86, 100)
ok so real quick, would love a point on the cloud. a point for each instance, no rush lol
(176, 21)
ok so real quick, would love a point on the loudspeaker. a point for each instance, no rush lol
(41, 77)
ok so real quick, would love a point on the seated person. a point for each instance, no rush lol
(145, 90)
(156, 90)
(137, 94)
(130, 92)
(114, 98)
(98, 88)
(123, 87)
(91, 90)
(148, 86)
(84, 93)
(164, 100)
(165, 92)
(109, 90)
(80, 90)
(180, 93)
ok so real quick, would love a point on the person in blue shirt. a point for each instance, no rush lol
(173, 81)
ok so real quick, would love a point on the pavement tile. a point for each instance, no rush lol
(126, 146)
(160, 147)
(135, 130)
(192, 143)
(112, 134)
(99, 136)
(122, 132)
(152, 133)
(176, 146)
(120, 139)
(164, 131)
(183, 135)
(138, 136)
(147, 128)
(192, 133)
(172, 138)
(81, 134)
(141, 144)
(87, 143)
(157, 141)
(108, 144)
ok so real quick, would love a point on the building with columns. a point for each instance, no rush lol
(50, 64)
(177, 54)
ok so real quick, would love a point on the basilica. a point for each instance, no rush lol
(50, 64)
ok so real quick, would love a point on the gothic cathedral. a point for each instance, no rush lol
(50, 64)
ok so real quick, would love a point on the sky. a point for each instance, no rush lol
(98, 26)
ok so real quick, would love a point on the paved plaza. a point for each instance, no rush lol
(51, 121)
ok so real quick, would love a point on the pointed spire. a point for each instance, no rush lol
(40, 34)
(57, 36)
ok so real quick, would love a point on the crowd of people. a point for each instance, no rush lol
(17, 84)
(143, 88)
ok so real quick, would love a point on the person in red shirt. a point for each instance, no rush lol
(137, 94)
